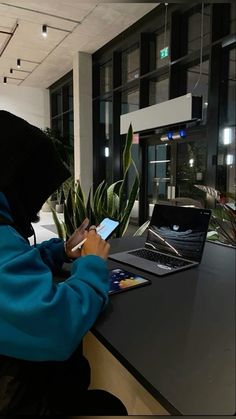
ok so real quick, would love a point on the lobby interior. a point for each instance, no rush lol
(87, 69)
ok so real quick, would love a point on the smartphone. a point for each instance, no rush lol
(107, 227)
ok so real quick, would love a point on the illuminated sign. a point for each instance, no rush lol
(164, 52)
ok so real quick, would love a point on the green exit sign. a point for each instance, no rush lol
(164, 52)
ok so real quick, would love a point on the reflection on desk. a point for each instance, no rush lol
(177, 336)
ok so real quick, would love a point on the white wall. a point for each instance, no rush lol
(30, 103)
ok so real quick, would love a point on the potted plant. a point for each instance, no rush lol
(60, 200)
(111, 201)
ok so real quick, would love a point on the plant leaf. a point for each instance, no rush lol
(69, 214)
(110, 196)
(79, 192)
(142, 228)
(59, 225)
(127, 150)
(79, 211)
(127, 211)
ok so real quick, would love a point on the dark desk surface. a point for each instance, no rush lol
(177, 335)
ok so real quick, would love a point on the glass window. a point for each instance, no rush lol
(68, 126)
(57, 125)
(226, 176)
(56, 102)
(129, 101)
(197, 84)
(106, 77)
(158, 90)
(67, 94)
(194, 28)
(231, 109)
(191, 169)
(233, 17)
(130, 64)
(106, 118)
(159, 159)
(105, 136)
(62, 120)
(162, 41)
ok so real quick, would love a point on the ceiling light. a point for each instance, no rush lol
(176, 136)
(4, 79)
(164, 138)
(44, 31)
(18, 62)
(107, 152)
(159, 161)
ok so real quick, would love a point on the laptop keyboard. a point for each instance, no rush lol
(159, 258)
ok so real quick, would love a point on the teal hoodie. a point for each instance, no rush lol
(41, 320)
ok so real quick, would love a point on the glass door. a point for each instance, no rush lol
(160, 176)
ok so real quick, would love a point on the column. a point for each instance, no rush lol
(83, 132)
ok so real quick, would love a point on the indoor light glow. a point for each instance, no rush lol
(227, 136)
(191, 162)
(229, 159)
(107, 152)
(159, 161)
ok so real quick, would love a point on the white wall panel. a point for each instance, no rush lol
(30, 103)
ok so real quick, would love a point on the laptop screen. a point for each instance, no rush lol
(178, 231)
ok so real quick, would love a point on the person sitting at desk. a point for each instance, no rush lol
(42, 323)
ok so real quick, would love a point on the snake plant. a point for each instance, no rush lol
(113, 201)
(222, 226)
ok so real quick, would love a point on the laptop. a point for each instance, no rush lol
(175, 241)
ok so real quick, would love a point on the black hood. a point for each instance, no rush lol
(30, 169)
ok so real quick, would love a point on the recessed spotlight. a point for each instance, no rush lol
(18, 62)
(11, 70)
(4, 79)
(44, 31)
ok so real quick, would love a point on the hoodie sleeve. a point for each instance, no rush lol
(41, 320)
(53, 253)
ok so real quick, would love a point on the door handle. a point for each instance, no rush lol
(170, 192)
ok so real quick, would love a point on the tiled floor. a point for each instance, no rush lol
(45, 229)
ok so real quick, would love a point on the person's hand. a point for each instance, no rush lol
(95, 245)
(79, 234)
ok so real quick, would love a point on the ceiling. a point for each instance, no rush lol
(72, 25)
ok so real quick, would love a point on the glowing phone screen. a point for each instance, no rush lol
(106, 227)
